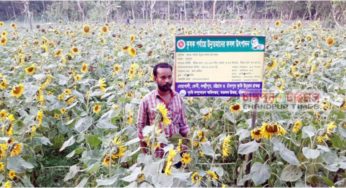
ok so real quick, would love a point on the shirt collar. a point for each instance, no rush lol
(171, 91)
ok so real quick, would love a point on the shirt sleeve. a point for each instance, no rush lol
(183, 126)
(141, 123)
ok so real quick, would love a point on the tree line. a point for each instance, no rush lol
(331, 11)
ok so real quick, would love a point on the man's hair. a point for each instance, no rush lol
(161, 65)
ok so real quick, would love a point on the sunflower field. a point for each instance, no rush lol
(70, 92)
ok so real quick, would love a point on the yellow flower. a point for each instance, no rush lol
(212, 175)
(77, 77)
(308, 38)
(130, 118)
(330, 41)
(102, 84)
(271, 65)
(96, 108)
(235, 108)
(86, 28)
(2, 166)
(277, 23)
(256, 134)
(132, 38)
(196, 178)
(11, 118)
(3, 41)
(168, 168)
(164, 113)
(58, 53)
(280, 84)
(297, 126)
(4, 34)
(322, 138)
(1, 23)
(107, 161)
(30, 70)
(17, 91)
(16, 149)
(3, 114)
(8, 184)
(104, 29)
(132, 51)
(270, 129)
(331, 127)
(226, 146)
(120, 148)
(12, 175)
(116, 68)
(63, 110)
(74, 50)
(201, 136)
(84, 68)
(3, 84)
(140, 178)
(13, 25)
(39, 117)
(186, 159)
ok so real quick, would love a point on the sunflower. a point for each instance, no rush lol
(116, 68)
(17, 91)
(308, 38)
(74, 50)
(3, 41)
(212, 175)
(104, 29)
(12, 175)
(270, 129)
(16, 149)
(171, 154)
(67, 91)
(58, 53)
(63, 110)
(201, 136)
(39, 117)
(107, 161)
(235, 108)
(84, 68)
(3, 84)
(330, 41)
(132, 38)
(86, 28)
(77, 77)
(299, 24)
(132, 51)
(256, 134)
(3, 114)
(186, 158)
(226, 146)
(120, 148)
(322, 138)
(30, 70)
(1, 23)
(129, 118)
(102, 84)
(277, 23)
(331, 127)
(140, 178)
(161, 108)
(280, 84)
(271, 65)
(196, 178)
(297, 126)
(96, 108)
(4, 34)
(8, 184)
(2, 166)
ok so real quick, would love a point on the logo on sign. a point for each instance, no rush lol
(181, 44)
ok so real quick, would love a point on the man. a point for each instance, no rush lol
(174, 104)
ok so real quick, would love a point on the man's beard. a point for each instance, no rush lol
(165, 87)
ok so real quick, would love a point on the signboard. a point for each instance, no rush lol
(218, 65)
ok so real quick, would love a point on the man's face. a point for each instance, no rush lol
(164, 79)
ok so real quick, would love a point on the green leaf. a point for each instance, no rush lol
(291, 173)
(83, 124)
(68, 143)
(337, 142)
(259, 173)
(248, 148)
(93, 141)
(328, 181)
